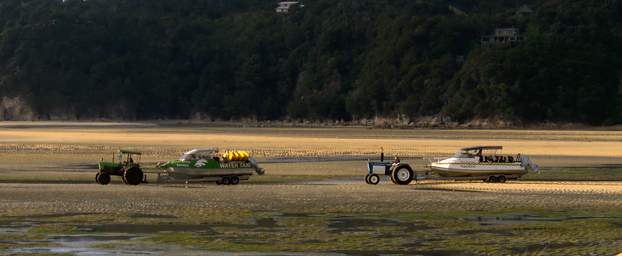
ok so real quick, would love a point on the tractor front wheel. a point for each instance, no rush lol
(102, 178)
(374, 179)
(133, 176)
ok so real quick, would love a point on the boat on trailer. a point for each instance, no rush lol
(209, 165)
(483, 162)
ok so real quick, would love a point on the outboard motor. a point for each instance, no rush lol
(258, 170)
(529, 165)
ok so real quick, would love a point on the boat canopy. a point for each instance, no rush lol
(471, 152)
(130, 151)
(482, 148)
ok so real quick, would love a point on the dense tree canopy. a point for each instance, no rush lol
(331, 60)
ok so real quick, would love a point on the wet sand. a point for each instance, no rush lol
(198, 200)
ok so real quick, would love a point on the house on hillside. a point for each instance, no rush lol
(524, 11)
(502, 36)
(285, 6)
(456, 11)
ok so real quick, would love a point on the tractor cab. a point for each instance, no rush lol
(129, 157)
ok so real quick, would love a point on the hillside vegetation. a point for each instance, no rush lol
(331, 60)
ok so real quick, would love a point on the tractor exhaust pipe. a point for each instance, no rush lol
(381, 154)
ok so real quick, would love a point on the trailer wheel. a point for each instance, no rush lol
(133, 176)
(374, 179)
(103, 178)
(234, 180)
(402, 175)
(502, 179)
(97, 177)
(367, 179)
(225, 181)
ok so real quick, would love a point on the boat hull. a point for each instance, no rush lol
(219, 172)
(477, 169)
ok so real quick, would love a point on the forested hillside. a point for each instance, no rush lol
(331, 60)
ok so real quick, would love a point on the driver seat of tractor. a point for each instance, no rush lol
(396, 160)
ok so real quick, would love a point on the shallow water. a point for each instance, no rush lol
(524, 219)
(87, 244)
(84, 245)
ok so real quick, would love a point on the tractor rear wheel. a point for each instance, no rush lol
(402, 175)
(493, 179)
(102, 178)
(133, 176)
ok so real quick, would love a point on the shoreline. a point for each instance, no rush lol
(303, 124)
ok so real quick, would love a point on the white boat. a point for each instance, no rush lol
(483, 162)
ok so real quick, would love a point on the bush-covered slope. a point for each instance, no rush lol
(333, 59)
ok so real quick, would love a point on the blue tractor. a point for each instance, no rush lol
(399, 173)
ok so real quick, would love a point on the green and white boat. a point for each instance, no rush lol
(210, 165)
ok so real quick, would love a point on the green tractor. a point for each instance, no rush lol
(124, 166)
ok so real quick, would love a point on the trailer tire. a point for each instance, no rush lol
(225, 181)
(374, 179)
(133, 176)
(103, 178)
(234, 180)
(502, 179)
(402, 175)
(367, 179)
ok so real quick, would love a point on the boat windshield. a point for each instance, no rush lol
(188, 157)
(464, 154)
(198, 155)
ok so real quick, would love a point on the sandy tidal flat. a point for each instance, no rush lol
(314, 200)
